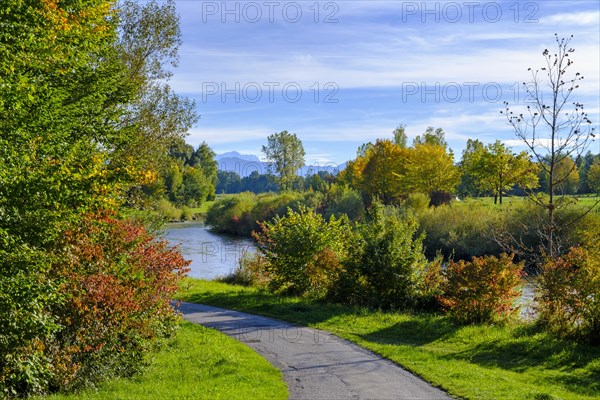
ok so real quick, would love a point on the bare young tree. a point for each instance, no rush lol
(554, 127)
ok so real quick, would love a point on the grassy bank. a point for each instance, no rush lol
(198, 363)
(516, 361)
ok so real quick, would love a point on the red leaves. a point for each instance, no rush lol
(119, 282)
(481, 290)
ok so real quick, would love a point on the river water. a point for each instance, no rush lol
(212, 254)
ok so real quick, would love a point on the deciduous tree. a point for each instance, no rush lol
(554, 126)
(286, 154)
(497, 169)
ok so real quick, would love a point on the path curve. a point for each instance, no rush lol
(316, 364)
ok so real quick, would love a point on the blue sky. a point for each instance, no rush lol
(339, 74)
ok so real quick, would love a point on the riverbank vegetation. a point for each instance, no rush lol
(514, 360)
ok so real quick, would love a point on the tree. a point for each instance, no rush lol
(374, 174)
(551, 128)
(468, 179)
(400, 137)
(567, 168)
(429, 168)
(286, 154)
(204, 159)
(497, 170)
(593, 177)
(69, 124)
(432, 136)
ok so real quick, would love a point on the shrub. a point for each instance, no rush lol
(298, 250)
(523, 229)
(250, 271)
(438, 198)
(568, 300)
(232, 214)
(387, 264)
(240, 214)
(461, 231)
(26, 324)
(168, 210)
(187, 214)
(118, 281)
(416, 203)
(481, 290)
(342, 200)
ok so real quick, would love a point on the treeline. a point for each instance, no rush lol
(229, 182)
(86, 121)
(390, 170)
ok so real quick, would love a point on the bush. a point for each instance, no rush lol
(482, 290)
(387, 265)
(523, 229)
(342, 200)
(568, 300)
(240, 214)
(300, 249)
(165, 208)
(233, 214)
(438, 198)
(87, 312)
(461, 231)
(26, 324)
(416, 203)
(187, 214)
(250, 271)
(118, 281)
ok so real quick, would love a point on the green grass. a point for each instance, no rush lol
(198, 363)
(203, 209)
(515, 361)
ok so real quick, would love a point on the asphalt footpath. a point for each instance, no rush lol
(316, 365)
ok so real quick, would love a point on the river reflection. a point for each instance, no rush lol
(212, 254)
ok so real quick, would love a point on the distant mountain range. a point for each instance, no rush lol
(245, 164)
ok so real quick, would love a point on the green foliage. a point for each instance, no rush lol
(167, 210)
(250, 271)
(481, 290)
(74, 109)
(303, 251)
(342, 200)
(569, 296)
(387, 263)
(240, 214)
(26, 325)
(496, 169)
(460, 231)
(286, 153)
(593, 177)
(416, 203)
(189, 176)
(117, 281)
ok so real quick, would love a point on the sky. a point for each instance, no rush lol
(342, 73)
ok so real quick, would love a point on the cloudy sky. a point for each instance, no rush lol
(342, 73)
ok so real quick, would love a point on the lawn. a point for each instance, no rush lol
(198, 363)
(516, 361)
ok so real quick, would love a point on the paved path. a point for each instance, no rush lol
(316, 364)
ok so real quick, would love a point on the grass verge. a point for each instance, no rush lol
(198, 363)
(516, 361)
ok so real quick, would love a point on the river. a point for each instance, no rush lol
(212, 254)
